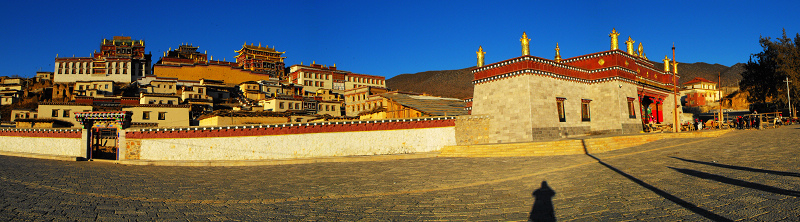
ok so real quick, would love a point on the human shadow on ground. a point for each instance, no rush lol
(736, 182)
(542, 209)
(689, 206)
(781, 173)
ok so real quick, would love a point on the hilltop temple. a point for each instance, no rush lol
(532, 98)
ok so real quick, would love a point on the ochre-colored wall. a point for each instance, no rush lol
(211, 71)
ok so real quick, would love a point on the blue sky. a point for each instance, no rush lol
(388, 38)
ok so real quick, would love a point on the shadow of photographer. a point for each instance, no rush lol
(542, 209)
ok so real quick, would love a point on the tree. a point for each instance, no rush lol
(766, 71)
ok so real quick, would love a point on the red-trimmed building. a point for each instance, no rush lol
(532, 98)
(699, 91)
(316, 76)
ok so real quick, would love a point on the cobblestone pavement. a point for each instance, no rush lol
(743, 175)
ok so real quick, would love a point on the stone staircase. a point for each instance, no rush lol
(568, 146)
(554, 148)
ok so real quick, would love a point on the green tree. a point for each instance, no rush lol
(766, 71)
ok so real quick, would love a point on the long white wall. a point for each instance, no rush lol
(42, 145)
(299, 145)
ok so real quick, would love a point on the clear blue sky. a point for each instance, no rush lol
(388, 38)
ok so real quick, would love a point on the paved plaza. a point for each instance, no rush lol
(743, 175)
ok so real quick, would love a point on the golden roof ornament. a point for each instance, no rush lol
(629, 45)
(614, 39)
(641, 49)
(675, 66)
(480, 53)
(666, 63)
(558, 53)
(526, 50)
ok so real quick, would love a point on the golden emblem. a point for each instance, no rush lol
(601, 62)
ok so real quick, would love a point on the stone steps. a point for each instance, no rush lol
(564, 147)
(567, 147)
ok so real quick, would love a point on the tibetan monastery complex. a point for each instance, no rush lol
(532, 98)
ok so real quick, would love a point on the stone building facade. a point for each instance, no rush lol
(531, 98)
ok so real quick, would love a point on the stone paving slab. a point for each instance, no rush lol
(743, 175)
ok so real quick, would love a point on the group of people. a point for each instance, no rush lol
(747, 122)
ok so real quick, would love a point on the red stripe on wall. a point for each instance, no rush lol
(52, 134)
(289, 130)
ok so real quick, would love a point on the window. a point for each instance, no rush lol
(297, 106)
(280, 105)
(145, 114)
(54, 113)
(66, 113)
(199, 90)
(162, 115)
(560, 107)
(585, 111)
(631, 108)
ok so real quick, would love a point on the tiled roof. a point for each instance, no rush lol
(434, 106)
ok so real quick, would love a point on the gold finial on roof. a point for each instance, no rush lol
(56, 55)
(629, 45)
(212, 58)
(526, 50)
(165, 54)
(666, 63)
(481, 54)
(334, 65)
(205, 51)
(675, 67)
(641, 49)
(314, 62)
(614, 40)
(170, 49)
(558, 53)
(245, 43)
(259, 44)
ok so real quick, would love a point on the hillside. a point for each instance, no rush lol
(458, 83)
(446, 83)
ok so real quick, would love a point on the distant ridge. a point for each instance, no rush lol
(458, 83)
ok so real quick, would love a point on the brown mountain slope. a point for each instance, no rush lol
(445, 83)
(458, 83)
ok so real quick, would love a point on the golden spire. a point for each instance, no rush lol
(526, 50)
(259, 44)
(629, 44)
(641, 49)
(675, 66)
(205, 52)
(165, 54)
(666, 63)
(480, 53)
(314, 62)
(170, 49)
(614, 40)
(56, 55)
(558, 54)
(245, 43)
(212, 58)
